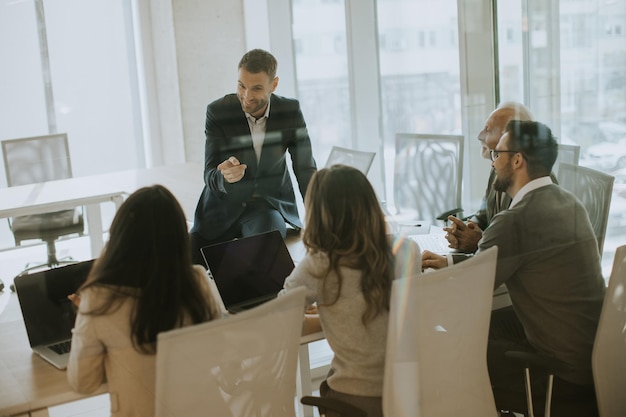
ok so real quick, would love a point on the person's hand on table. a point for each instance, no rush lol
(463, 236)
(232, 170)
(311, 320)
(312, 324)
(432, 260)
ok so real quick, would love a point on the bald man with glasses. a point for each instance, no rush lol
(463, 236)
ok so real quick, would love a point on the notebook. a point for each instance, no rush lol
(249, 271)
(48, 315)
(433, 242)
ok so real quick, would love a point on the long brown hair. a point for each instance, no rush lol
(148, 257)
(345, 221)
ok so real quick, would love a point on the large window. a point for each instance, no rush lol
(322, 71)
(585, 44)
(72, 69)
(565, 59)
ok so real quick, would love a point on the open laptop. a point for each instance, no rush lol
(48, 315)
(249, 271)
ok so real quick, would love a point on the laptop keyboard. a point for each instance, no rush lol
(61, 347)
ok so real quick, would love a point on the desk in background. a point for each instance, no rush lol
(184, 180)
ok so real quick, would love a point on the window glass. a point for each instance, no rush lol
(419, 67)
(92, 79)
(322, 73)
(591, 51)
(22, 100)
(419, 72)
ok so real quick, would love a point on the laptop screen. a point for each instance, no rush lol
(249, 268)
(48, 315)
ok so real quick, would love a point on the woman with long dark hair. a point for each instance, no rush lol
(142, 284)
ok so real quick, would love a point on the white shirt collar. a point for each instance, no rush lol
(530, 186)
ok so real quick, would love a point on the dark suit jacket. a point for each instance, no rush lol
(228, 134)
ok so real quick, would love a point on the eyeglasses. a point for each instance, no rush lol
(495, 154)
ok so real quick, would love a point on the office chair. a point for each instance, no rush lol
(243, 365)
(436, 359)
(608, 359)
(428, 172)
(34, 160)
(594, 189)
(569, 154)
(361, 160)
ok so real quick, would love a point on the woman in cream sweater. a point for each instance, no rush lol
(348, 270)
(142, 284)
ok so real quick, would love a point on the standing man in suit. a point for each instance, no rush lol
(247, 187)
(462, 236)
(549, 260)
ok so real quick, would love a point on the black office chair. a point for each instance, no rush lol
(34, 160)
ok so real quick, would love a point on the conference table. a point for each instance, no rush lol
(28, 384)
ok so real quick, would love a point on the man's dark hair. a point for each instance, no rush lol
(536, 143)
(258, 60)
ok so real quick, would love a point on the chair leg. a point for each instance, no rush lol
(549, 395)
(52, 253)
(529, 394)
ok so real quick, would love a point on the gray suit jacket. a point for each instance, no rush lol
(548, 257)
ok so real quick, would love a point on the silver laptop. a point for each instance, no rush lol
(249, 271)
(48, 315)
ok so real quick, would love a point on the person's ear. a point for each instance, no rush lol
(274, 84)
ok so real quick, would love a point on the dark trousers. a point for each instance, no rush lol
(506, 333)
(372, 405)
(258, 217)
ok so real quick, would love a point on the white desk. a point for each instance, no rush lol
(184, 180)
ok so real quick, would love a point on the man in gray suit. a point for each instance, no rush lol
(548, 257)
(248, 188)
(462, 236)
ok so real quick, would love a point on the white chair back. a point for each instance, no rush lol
(241, 366)
(609, 350)
(436, 361)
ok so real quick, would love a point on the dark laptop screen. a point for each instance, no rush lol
(48, 314)
(249, 268)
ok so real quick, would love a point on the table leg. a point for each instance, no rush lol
(94, 223)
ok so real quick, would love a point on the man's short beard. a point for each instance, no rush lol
(501, 184)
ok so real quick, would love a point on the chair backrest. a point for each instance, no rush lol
(36, 159)
(244, 365)
(436, 360)
(609, 350)
(361, 160)
(428, 173)
(569, 154)
(594, 189)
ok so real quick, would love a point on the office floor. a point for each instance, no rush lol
(12, 261)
